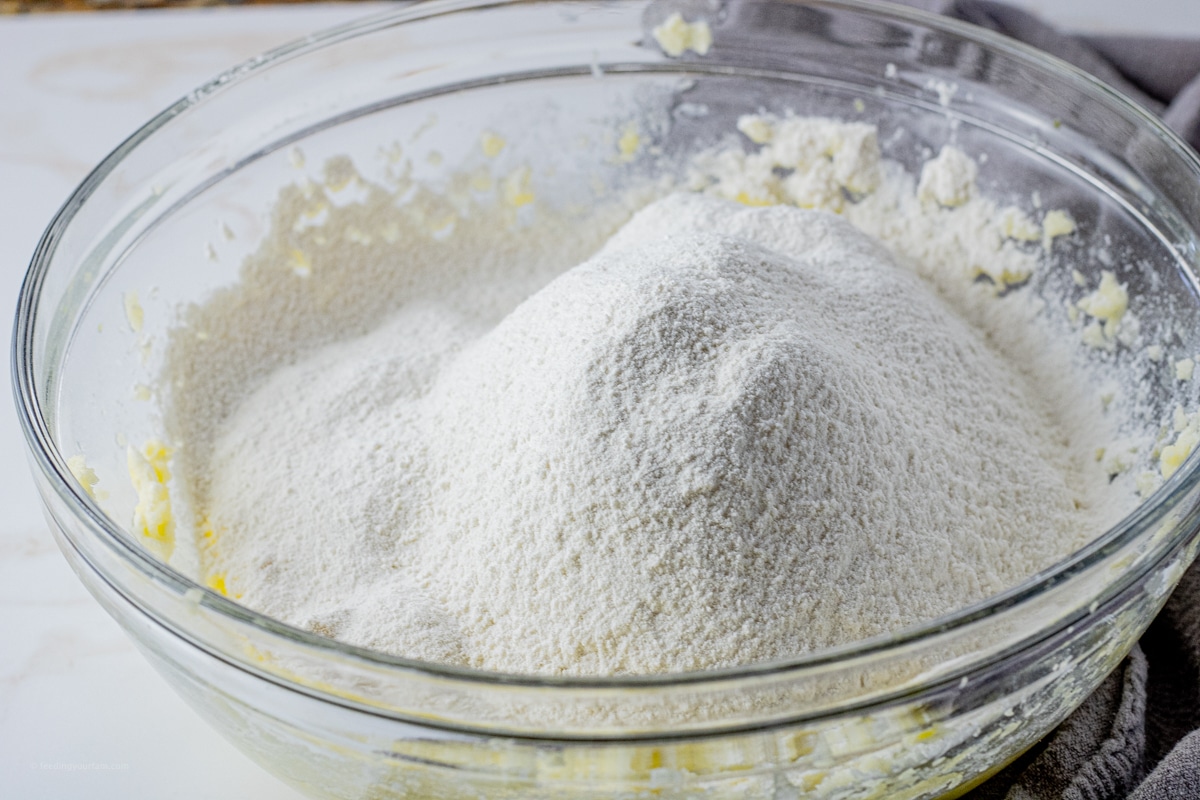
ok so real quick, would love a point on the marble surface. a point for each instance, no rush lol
(81, 714)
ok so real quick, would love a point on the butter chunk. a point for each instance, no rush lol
(1184, 369)
(629, 143)
(756, 128)
(1056, 223)
(676, 36)
(949, 179)
(1016, 224)
(1107, 306)
(517, 191)
(152, 517)
(1186, 438)
(84, 474)
(300, 263)
(134, 314)
(491, 144)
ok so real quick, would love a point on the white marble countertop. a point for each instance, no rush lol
(81, 714)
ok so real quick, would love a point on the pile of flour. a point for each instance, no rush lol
(734, 434)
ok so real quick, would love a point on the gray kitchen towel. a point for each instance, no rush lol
(1138, 736)
(1161, 73)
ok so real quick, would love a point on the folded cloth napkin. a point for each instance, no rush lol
(1138, 735)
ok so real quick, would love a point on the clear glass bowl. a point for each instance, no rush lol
(923, 713)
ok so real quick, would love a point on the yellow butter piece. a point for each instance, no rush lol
(1056, 223)
(948, 179)
(516, 188)
(1186, 438)
(84, 474)
(133, 311)
(300, 263)
(491, 144)
(1016, 224)
(747, 200)
(1107, 305)
(756, 128)
(149, 472)
(629, 143)
(216, 582)
(676, 36)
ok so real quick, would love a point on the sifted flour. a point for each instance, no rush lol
(732, 435)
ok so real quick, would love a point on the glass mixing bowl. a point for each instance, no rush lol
(925, 712)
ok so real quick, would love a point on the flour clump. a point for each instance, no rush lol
(732, 435)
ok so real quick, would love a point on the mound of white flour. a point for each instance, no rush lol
(732, 435)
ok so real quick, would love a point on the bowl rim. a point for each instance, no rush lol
(50, 461)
